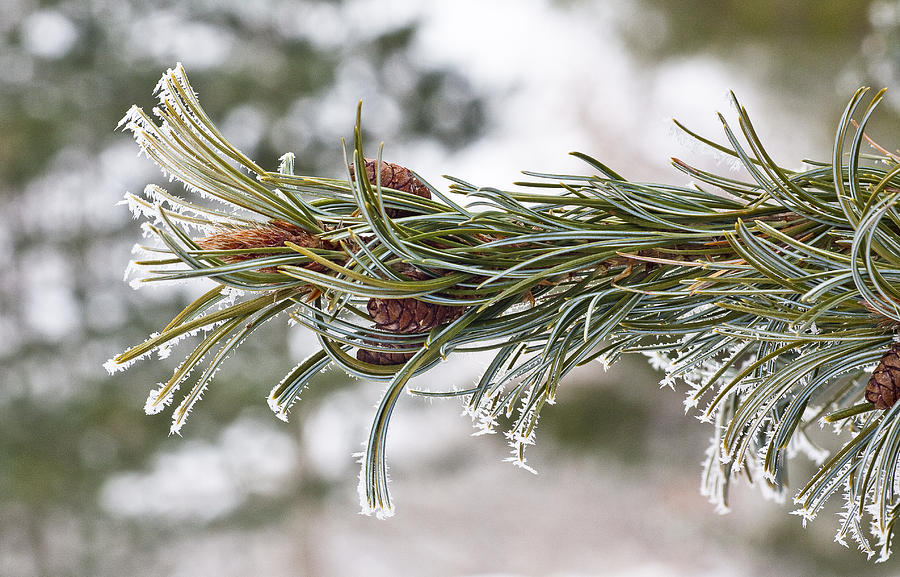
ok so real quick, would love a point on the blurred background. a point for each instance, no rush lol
(90, 486)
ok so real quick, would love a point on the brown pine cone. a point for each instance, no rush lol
(883, 388)
(396, 177)
(385, 358)
(405, 316)
(275, 233)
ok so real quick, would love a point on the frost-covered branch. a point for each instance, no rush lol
(774, 299)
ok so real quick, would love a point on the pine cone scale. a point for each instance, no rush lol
(883, 388)
(383, 357)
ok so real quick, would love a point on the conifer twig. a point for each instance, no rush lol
(771, 297)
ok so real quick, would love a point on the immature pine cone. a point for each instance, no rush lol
(883, 389)
(385, 358)
(396, 177)
(403, 317)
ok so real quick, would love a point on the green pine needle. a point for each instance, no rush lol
(771, 297)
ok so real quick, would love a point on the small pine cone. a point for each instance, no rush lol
(883, 388)
(275, 233)
(405, 316)
(385, 358)
(396, 177)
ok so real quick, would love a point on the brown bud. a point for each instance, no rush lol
(883, 388)
(274, 233)
(396, 177)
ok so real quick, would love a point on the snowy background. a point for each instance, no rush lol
(90, 486)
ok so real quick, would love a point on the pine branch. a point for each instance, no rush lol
(772, 298)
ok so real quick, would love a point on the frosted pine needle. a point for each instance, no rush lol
(770, 293)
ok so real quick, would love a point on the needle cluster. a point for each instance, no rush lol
(772, 296)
